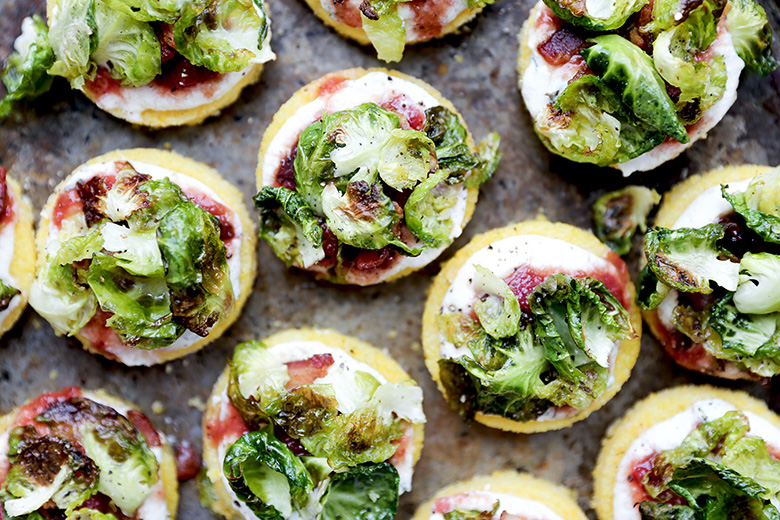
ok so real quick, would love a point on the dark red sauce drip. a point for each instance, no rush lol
(428, 15)
(89, 193)
(179, 74)
(227, 232)
(559, 48)
(330, 244)
(167, 43)
(100, 502)
(306, 371)
(294, 444)
(145, 426)
(641, 468)
(6, 200)
(740, 239)
(370, 259)
(285, 175)
(103, 84)
(187, 460)
(405, 107)
(231, 426)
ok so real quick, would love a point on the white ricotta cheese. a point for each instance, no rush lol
(484, 500)
(670, 434)
(132, 356)
(7, 245)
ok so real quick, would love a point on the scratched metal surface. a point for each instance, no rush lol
(476, 70)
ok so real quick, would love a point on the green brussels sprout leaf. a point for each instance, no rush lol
(618, 214)
(368, 492)
(26, 75)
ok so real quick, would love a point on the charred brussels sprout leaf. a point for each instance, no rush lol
(498, 309)
(127, 48)
(368, 492)
(689, 259)
(631, 74)
(148, 203)
(7, 294)
(588, 123)
(223, 35)
(136, 252)
(601, 15)
(751, 34)
(289, 225)
(73, 37)
(384, 28)
(759, 205)
(148, 10)
(650, 291)
(426, 211)
(443, 127)
(126, 197)
(618, 214)
(48, 469)
(575, 317)
(62, 298)
(26, 75)
(303, 411)
(141, 306)
(407, 158)
(488, 158)
(128, 467)
(196, 269)
(266, 475)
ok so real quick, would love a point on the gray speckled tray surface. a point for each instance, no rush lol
(476, 71)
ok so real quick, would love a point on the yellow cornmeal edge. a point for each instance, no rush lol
(359, 35)
(648, 412)
(191, 116)
(23, 260)
(562, 500)
(359, 350)
(677, 200)
(209, 177)
(308, 93)
(167, 470)
(627, 352)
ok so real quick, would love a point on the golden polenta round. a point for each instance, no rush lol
(209, 178)
(648, 412)
(561, 500)
(628, 349)
(359, 350)
(22, 268)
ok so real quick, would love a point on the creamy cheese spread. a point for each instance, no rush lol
(7, 248)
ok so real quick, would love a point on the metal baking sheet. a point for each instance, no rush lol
(476, 71)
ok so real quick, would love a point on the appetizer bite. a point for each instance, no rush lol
(367, 175)
(310, 424)
(531, 327)
(144, 256)
(504, 495)
(633, 83)
(389, 25)
(17, 251)
(81, 454)
(694, 453)
(710, 286)
(153, 63)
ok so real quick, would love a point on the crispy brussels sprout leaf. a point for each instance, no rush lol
(266, 475)
(48, 469)
(303, 411)
(601, 15)
(85, 514)
(136, 252)
(488, 158)
(384, 28)
(360, 134)
(443, 127)
(618, 214)
(196, 268)
(479, 4)
(751, 34)
(73, 37)
(689, 259)
(363, 217)
(127, 48)
(750, 457)
(128, 195)
(427, 210)
(588, 123)
(290, 227)
(473, 514)
(206, 492)
(759, 205)
(650, 291)
(63, 301)
(7, 294)
(407, 158)
(261, 377)
(631, 74)
(141, 306)
(368, 492)
(26, 75)
(498, 309)
(759, 284)
(148, 10)
(224, 35)
(144, 204)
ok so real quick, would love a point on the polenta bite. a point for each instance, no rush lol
(310, 424)
(504, 495)
(144, 256)
(693, 452)
(389, 25)
(80, 454)
(710, 284)
(153, 63)
(633, 83)
(531, 327)
(17, 251)
(367, 175)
